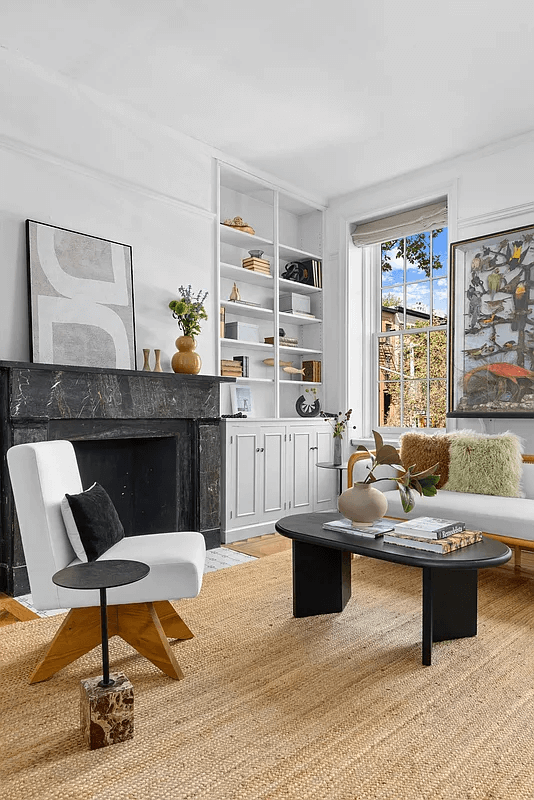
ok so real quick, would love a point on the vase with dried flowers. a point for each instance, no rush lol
(339, 424)
(188, 311)
(363, 503)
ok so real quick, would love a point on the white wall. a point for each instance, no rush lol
(70, 158)
(488, 191)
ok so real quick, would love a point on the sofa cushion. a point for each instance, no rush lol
(425, 450)
(505, 516)
(485, 464)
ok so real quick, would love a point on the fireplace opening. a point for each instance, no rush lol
(140, 476)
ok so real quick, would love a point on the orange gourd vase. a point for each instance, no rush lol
(186, 360)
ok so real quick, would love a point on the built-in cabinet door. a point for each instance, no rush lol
(245, 448)
(301, 442)
(272, 471)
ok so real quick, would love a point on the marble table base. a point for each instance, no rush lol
(106, 713)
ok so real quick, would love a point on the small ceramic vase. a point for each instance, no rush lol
(186, 360)
(146, 356)
(363, 504)
(157, 365)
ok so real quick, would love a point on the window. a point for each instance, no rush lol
(412, 340)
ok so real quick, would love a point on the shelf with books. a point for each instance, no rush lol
(294, 286)
(235, 273)
(287, 229)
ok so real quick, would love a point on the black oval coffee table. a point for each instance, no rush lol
(322, 574)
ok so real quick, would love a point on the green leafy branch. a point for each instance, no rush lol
(189, 310)
(408, 480)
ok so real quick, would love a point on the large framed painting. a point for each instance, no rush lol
(491, 313)
(81, 299)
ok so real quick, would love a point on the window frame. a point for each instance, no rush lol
(370, 262)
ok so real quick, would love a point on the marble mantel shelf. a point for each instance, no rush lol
(50, 391)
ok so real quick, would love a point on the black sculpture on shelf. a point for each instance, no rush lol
(307, 407)
(293, 272)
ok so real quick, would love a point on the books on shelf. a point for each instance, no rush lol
(243, 360)
(430, 527)
(312, 371)
(257, 265)
(455, 541)
(378, 528)
(312, 272)
(230, 368)
(287, 341)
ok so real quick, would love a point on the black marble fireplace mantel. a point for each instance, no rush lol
(152, 439)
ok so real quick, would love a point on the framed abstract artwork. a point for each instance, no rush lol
(491, 313)
(80, 298)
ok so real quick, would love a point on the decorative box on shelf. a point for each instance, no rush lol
(245, 331)
(295, 303)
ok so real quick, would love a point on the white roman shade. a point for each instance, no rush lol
(408, 223)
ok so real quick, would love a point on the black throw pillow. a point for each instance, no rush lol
(97, 520)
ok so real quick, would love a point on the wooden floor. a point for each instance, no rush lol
(11, 611)
(259, 546)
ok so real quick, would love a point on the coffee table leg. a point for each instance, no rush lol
(321, 579)
(449, 606)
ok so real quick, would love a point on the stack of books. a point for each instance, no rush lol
(285, 341)
(312, 371)
(433, 534)
(231, 368)
(257, 265)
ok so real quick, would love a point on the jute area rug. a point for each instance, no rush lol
(336, 707)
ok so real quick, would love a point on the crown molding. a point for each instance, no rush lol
(48, 157)
(496, 216)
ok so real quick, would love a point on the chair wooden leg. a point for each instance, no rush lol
(139, 625)
(171, 621)
(517, 559)
(79, 633)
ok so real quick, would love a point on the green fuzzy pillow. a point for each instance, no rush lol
(485, 464)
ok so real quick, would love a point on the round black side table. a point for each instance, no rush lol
(102, 575)
(339, 467)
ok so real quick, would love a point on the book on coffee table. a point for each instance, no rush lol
(430, 527)
(453, 542)
(378, 528)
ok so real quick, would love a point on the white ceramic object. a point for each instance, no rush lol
(362, 503)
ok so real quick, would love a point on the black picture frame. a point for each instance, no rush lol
(491, 319)
(81, 299)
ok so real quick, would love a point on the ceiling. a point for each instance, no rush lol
(329, 96)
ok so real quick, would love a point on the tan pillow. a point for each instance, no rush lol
(485, 464)
(426, 450)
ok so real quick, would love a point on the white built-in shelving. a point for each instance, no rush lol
(287, 229)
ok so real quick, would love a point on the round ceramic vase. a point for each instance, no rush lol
(186, 360)
(362, 503)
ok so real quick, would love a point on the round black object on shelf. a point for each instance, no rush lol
(305, 408)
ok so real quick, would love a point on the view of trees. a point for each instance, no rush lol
(417, 251)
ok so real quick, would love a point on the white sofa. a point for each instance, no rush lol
(509, 519)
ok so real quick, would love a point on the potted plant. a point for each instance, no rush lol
(188, 311)
(364, 503)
